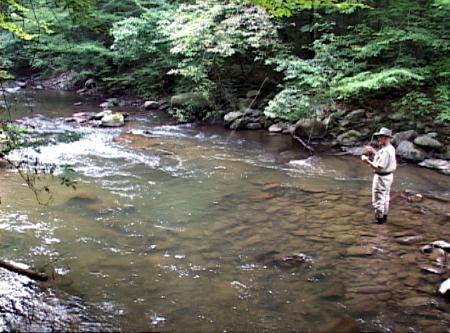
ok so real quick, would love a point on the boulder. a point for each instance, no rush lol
(356, 151)
(100, 115)
(90, 84)
(254, 113)
(444, 288)
(232, 116)
(310, 128)
(277, 128)
(409, 151)
(436, 164)
(113, 120)
(21, 84)
(150, 105)
(446, 154)
(239, 123)
(409, 135)
(194, 100)
(349, 138)
(356, 115)
(427, 141)
(253, 126)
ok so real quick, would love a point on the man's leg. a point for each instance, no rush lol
(388, 180)
(378, 197)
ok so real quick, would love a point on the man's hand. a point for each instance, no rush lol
(365, 158)
(370, 149)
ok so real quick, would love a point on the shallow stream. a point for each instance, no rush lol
(187, 228)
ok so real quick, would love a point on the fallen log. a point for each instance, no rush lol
(23, 271)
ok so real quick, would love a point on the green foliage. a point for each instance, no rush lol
(286, 8)
(290, 104)
(368, 84)
(207, 35)
(418, 104)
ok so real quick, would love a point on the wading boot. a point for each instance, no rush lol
(380, 220)
(384, 218)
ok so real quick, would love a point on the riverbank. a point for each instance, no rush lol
(339, 128)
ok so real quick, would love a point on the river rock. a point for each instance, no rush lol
(310, 127)
(255, 113)
(427, 141)
(346, 324)
(276, 128)
(356, 115)
(404, 136)
(77, 103)
(360, 251)
(253, 126)
(239, 123)
(409, 151)
(100, 115)
(21, 84)
(444, 288)
(151, 105)
(349, 138)
(416, 301)
(432, 270)
(441, 245)
(113, 120)
(409, 240)
(436, 164)
(232, 116)
(356, 151)
(90, 84)
(195, 100)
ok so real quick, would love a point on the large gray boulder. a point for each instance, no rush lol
(428, 141)
(409, 135)
(310, 128)
(409, 151)
(232, 116)
(356, 115)
(349, 138)
(195, 100)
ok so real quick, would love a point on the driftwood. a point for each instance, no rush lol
(24, 271)
(303, 143)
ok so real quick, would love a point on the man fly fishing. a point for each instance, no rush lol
(383, 165)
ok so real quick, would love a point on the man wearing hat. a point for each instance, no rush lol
(383, 165)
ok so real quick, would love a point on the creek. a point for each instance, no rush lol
(187, 228)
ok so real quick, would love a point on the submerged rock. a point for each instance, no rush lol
(444, 288)
(436, 164)
(360, 251)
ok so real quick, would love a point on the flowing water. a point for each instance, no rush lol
(197, 229)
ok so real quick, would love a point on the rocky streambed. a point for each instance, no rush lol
(196, 228)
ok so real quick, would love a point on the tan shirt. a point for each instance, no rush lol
(385, 159)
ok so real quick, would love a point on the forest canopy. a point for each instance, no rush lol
(303, 55)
